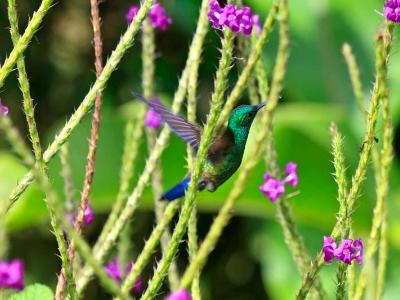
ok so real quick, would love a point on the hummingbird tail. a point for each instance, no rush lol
(177, 191)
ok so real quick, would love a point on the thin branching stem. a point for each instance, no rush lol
(112, 63)
(148, 58)
(23, 42)
(94, 137)
(110, 236)
(248, 69)
(369, 139)
(340, 178)
(216, 106)
(383, 181)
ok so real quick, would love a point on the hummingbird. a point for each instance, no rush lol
(225, 152)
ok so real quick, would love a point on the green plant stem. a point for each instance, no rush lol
(382, 186)
(248, 69)
(148, 57)
(192, 228)
(93, 141)
(23, 42)
(57, 214)
(340, 177)
(382, 258)
(354, 72)
(16, 141)
(133, 136)
(224, 215)
(110, 236)
(66, 174)
(216, 106)
(150, 245)
(124, 44)
(377, 95)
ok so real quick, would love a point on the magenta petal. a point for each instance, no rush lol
(179, 295)
(359, 249)
(328, 249)
(152, 119)
(392, 11)
(131, 14)
(159, 18)
(3, 109)
(273, 189)
(12, 274)
(89, 215)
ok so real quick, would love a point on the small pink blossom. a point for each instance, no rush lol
(273, 188)
(152, 119)
(113, 270)
(12, 274)
(3, 109)
(347, 251)
(158, 16)
(179, 295)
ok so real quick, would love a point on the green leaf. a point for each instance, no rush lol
(34, 292)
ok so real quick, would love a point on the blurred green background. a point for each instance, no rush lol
(251, 260)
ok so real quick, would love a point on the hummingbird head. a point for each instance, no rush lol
(243, 116)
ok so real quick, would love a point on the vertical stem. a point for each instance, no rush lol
(340, 177)
(378, 92)
(23, 42)
(148, 57)
(383, 177)
(109, 237)
(90, 165)
(216, 106)
(98, 86)
(17, 143)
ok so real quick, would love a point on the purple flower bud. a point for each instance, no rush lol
(359, 249)
(152, 119)
(159, 18)
(348, 250)
(89, 215)
(12, 274)
(291, 174)
(328, 249)
(240, 21)
(114, 271)
(3, 109)
(272, 188)
(179, 295)
(392, 10)
(131, 14)
(345, 251)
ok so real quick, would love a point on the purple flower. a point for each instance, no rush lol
(89, 215)
(179, 295)
(359, 249)
(272, 188)
(256, 22)
(345, 251)
(392, 10)
(3, 109)
(12, 274)
(328, 249)
(152, 119)
(348, 250)
(158, 16)
(291, 174)
(239, 20)
(114, 271)
(131, 14)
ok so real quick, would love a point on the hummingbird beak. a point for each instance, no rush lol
(261, 105)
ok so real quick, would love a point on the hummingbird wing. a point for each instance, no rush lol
(190, 133)
(221, 146)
